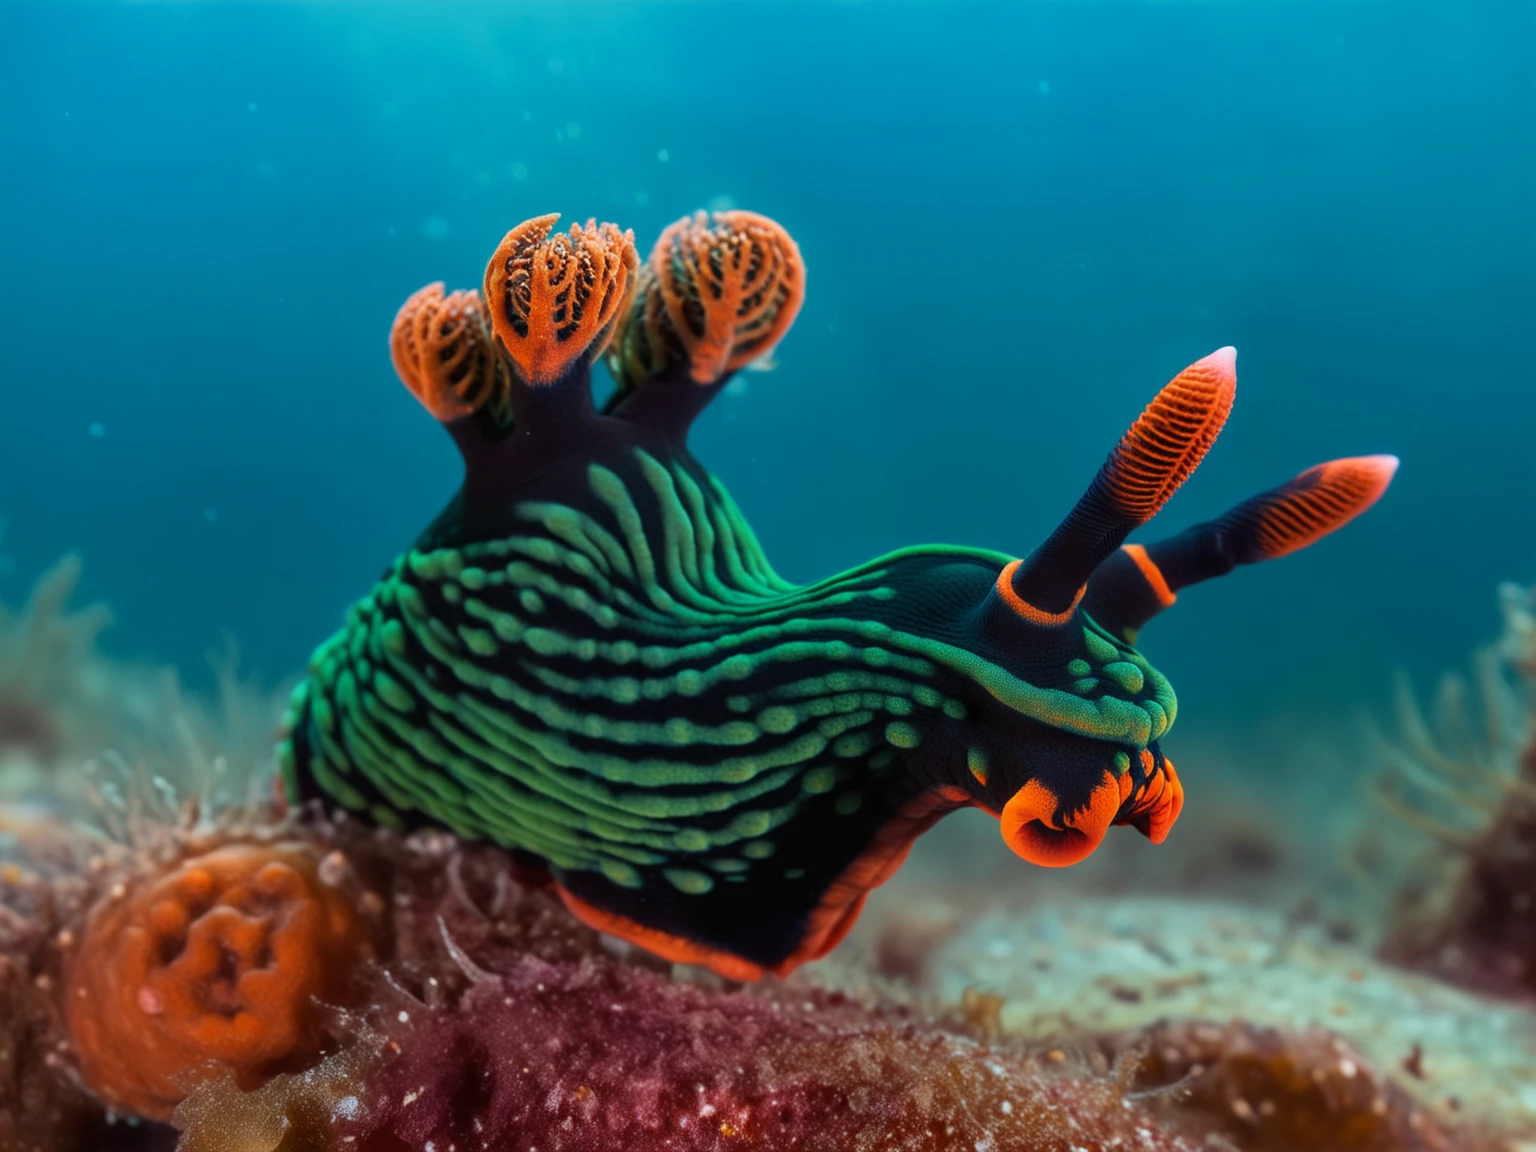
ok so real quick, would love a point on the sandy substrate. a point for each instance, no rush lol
(1095, 965)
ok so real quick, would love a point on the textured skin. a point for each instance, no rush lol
(588, 658)
(616, 680)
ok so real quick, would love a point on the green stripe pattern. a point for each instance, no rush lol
(625, 686)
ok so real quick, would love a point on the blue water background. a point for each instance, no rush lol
(1019, 221)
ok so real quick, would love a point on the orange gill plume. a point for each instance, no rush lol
(214, 964)
(553, 297)
(720, 289)
(441, 347)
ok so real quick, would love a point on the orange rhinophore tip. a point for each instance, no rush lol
(732, 284)
(441, 347)
(553, 297)
(1172, 436)
(1321, 499)
(1034, 826)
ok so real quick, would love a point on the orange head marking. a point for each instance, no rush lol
(553, 296)
(1028, 611)
(1172, 436)
(732, 284)
(212, 966)
(1321, 499)
(441, 347)
(1035, 826)
(1152, 574)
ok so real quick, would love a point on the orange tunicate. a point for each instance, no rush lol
(215, 965)
(441, 347)
(553, 299)
(732, 284)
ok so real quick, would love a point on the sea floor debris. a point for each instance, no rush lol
(493, 1020)
(1118, 966)
(481, 1015)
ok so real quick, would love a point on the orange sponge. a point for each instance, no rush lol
(214, 965)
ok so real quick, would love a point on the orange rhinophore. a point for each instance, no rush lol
(553, 298)
(732, 285)
(441, 347)
(1170, 438)
(1321, 499)
(215, 965)
(1157, 454)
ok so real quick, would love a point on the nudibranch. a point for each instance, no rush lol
(588, 658)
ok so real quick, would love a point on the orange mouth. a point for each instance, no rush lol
(1037, 828)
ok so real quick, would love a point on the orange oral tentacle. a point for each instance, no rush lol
(1159, 805)
(1034, 826)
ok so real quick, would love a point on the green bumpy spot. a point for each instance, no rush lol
(902, 735)
(620, 873)
(1100, 650)
(976, 761)
(777, 720)
(692, 840)
(689, 881)
(1125, 674)
(750, 824)
(819, 780)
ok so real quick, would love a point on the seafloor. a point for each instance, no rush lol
(1288, 971)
